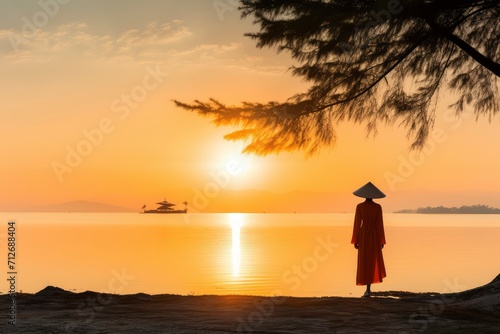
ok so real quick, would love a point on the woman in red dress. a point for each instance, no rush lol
(368, 237)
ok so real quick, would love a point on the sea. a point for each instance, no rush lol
(238, 253)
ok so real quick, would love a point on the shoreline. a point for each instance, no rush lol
(53, 310)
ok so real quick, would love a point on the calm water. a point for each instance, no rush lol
(265, 254)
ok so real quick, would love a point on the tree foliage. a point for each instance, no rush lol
(368, 61)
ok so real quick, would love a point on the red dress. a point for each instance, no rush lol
(368, 233)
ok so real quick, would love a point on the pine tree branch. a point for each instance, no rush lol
(488, 63)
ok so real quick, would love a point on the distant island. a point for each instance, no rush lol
(464, 209)
(80, 206)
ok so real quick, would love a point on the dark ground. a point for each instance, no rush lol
(54, 310)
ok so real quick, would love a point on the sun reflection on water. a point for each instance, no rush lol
(236, 220)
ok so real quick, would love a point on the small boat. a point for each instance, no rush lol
(165, 207)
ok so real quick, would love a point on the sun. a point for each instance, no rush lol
(238, 168)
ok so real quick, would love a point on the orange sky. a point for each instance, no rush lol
(87, 114)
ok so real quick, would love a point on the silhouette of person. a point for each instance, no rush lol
(368, 237)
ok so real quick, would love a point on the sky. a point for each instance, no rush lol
(86, 113)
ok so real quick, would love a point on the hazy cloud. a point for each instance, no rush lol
(40, 45)
(206, 51)
(152, 43)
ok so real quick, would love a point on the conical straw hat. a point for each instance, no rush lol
(369, 191)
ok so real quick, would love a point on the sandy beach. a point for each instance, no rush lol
(54, 310)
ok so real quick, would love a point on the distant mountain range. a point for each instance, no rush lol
(472, 209)
(323, 202)
(81, 206)
(258, 201)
